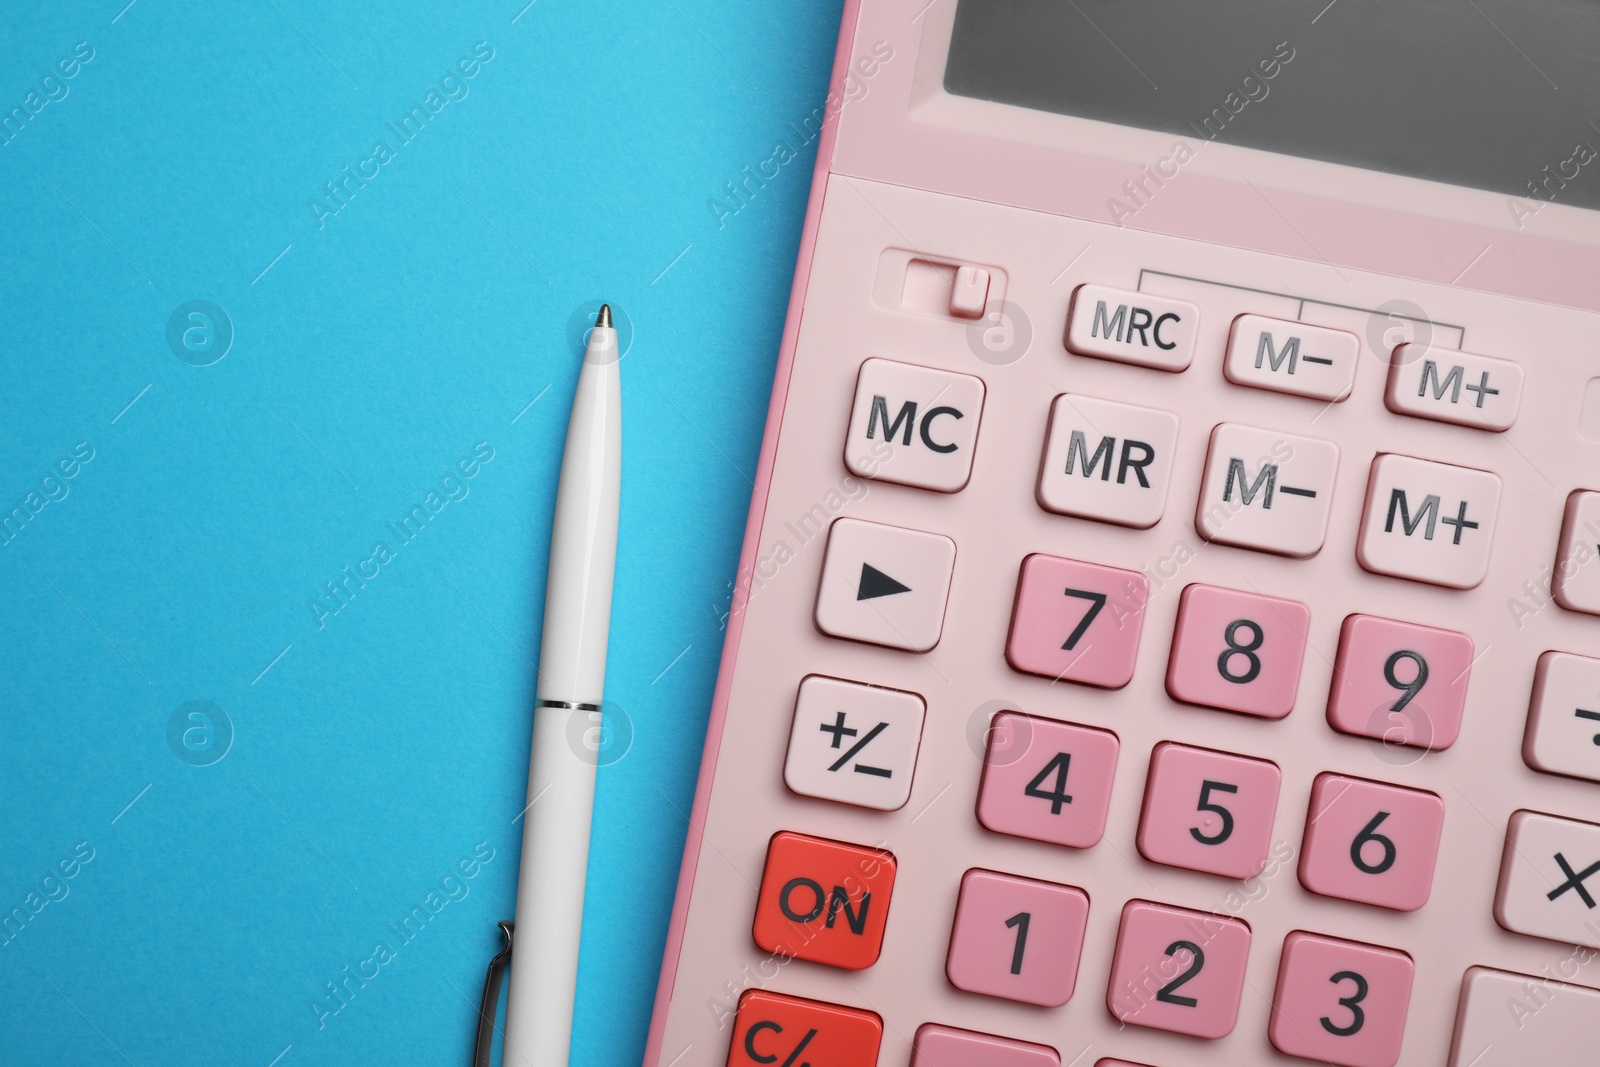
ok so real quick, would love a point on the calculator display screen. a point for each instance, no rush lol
(1502, 95)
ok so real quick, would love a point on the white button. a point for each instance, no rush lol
(885, 585)
(970, 293)
(914, 425)
(1291, 357)
(1108, 461)
(1129, 327)
(1550, 879)
(1524, 1020)
(1267, 490)
(856, 744)
(1564, 717)
(1430, 522)
(1451, 386)
(1576, 581)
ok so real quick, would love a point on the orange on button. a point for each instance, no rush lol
(824, 901)
(775, 1029)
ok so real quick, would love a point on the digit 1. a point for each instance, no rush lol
(1019, 922)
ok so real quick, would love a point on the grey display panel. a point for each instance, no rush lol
(1502, 95)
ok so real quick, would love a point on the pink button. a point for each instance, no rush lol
(1047, 780)
(1399, 682)
(1208, 811)
(1077, 621)
(1237, 651)
(1017, 938)
(1178, 970)
(1370, 842)
(944, 1046)
(1340, 1001)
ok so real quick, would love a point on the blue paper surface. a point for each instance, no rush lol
(268, 649)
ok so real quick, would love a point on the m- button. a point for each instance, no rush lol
(1291, 357)
(1550, 879)
(914, 425)
(1429, 522)
(1267, 490)
(885, 585)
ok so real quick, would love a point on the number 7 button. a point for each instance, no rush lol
(1077, 621)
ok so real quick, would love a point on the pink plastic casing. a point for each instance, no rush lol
(905, 171)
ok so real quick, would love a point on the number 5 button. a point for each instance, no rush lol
(1077, 621)
(1237, 651)
(1208, 811)
(1371, 843)
(1017, 938)
(1047, 780)
(1178, 970)
(1340, 1001)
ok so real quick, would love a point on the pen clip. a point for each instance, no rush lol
(489, 1006)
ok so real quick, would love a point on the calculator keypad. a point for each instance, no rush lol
(1399, 682)
(1237, 651)
(914, 425)
(1267, 490)
(1370, 842)
(1017, 938)
(854, 743)
(1077, 622)
(824, 901)
(885, 584)
(1047, 780)
(1429, 522)
(1108, 461)
(1178, 970)
(1291, 357)
(1341, 1002)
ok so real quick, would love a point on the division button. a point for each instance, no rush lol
(1563, 735)
(885, 585)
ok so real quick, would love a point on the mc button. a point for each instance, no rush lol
(790, 1032)
(824, 901)
(914, 425)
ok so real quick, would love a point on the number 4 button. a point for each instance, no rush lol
(1047, 780)
(1208, 811)
(1340, 1002)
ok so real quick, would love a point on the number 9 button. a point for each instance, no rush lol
(1399, 682)
(1371, 843)
(1340, 1002)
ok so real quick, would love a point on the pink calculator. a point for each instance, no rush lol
(1168, 626)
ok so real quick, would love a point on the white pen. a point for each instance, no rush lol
(572, 668)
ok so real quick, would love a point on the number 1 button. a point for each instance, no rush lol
(1178, 970)
(1047, 780)
(1077, 621)
(1340, 1001)
(1017, 938)
(1237, 651)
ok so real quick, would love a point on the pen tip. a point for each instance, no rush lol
(605, 316)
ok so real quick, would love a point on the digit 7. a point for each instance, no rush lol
(1096, 602)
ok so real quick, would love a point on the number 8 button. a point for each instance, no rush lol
(1340, 1002)
(1237, 651)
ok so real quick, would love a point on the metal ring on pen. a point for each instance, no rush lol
(569, 705)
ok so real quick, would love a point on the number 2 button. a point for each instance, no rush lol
(1340, 1001)
(1047, 780)
(1178, 970)
(1237, 651)
(1208, 811)
(1077, 621)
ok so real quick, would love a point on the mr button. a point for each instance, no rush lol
(914, 425)
(824, 901)
(1430, 522)
(774, 1029)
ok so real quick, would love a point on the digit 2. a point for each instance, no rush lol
(1166, 993)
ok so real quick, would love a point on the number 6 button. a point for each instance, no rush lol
(1077, 621)
(1208, 811)
(1017, 938)
(1237, 651)
(1340, 1001)
(1371, 843)
(1178, 970)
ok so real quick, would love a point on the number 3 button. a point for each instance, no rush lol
(1340, 1002)
(1208, 811)
(1237, 651)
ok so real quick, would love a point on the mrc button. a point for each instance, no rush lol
(771, 1028)
(1131, 327)
(1291, 357)
(824, 901)
(914, 425)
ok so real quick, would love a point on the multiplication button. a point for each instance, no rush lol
(1429, 522)
(1291, 357)
(1267, 490)
(1550, 879)
(885, 585)
(853, 743)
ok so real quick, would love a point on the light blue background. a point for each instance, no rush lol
(375, 751)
